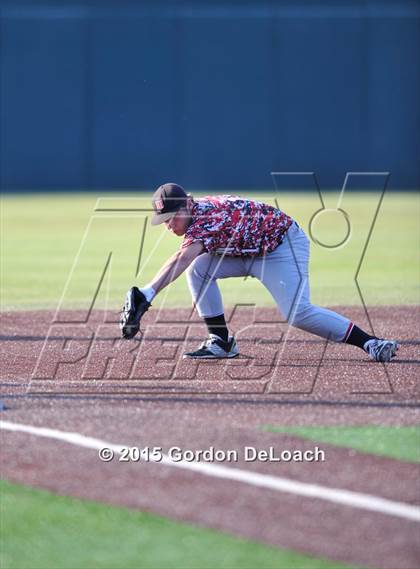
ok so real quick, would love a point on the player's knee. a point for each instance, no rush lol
(298, 316)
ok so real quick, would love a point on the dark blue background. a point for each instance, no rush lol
(120, 94)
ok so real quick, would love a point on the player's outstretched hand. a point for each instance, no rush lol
(134, 308)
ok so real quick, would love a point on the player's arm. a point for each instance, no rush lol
(176, 265)
(137, 301)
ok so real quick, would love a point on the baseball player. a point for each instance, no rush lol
(228, 236)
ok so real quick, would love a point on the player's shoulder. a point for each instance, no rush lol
(229, 200)
(219, 199)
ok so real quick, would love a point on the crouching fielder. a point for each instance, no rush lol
(227, 236)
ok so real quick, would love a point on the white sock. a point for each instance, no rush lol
(149, 292)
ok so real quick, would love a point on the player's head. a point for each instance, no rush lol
(172, 206)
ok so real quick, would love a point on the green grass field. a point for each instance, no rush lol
(43, 235)
(44, 531)
(401, 443)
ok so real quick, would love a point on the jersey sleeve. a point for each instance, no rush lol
(194, 236)
(188, 240)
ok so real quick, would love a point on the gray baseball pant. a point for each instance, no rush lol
(284, 272)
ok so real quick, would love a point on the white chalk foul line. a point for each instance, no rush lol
(335, 495)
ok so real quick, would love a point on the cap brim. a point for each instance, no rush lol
(159, 218)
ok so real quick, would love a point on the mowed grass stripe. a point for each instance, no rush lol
(40, 529)
(400, 442)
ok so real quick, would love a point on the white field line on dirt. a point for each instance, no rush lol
(335, 495)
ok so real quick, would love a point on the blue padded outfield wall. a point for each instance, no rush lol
(122, 94)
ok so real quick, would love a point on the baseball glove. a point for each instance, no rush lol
(134, 308)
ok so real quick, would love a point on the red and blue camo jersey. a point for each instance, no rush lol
(235, 226)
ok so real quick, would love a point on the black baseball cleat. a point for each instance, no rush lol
(382, 350)
(214, 348)
(134, 307)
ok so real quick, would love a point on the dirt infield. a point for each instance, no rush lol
(71, 354)
(78, 376)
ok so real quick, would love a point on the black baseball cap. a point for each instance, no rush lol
(166, 201)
